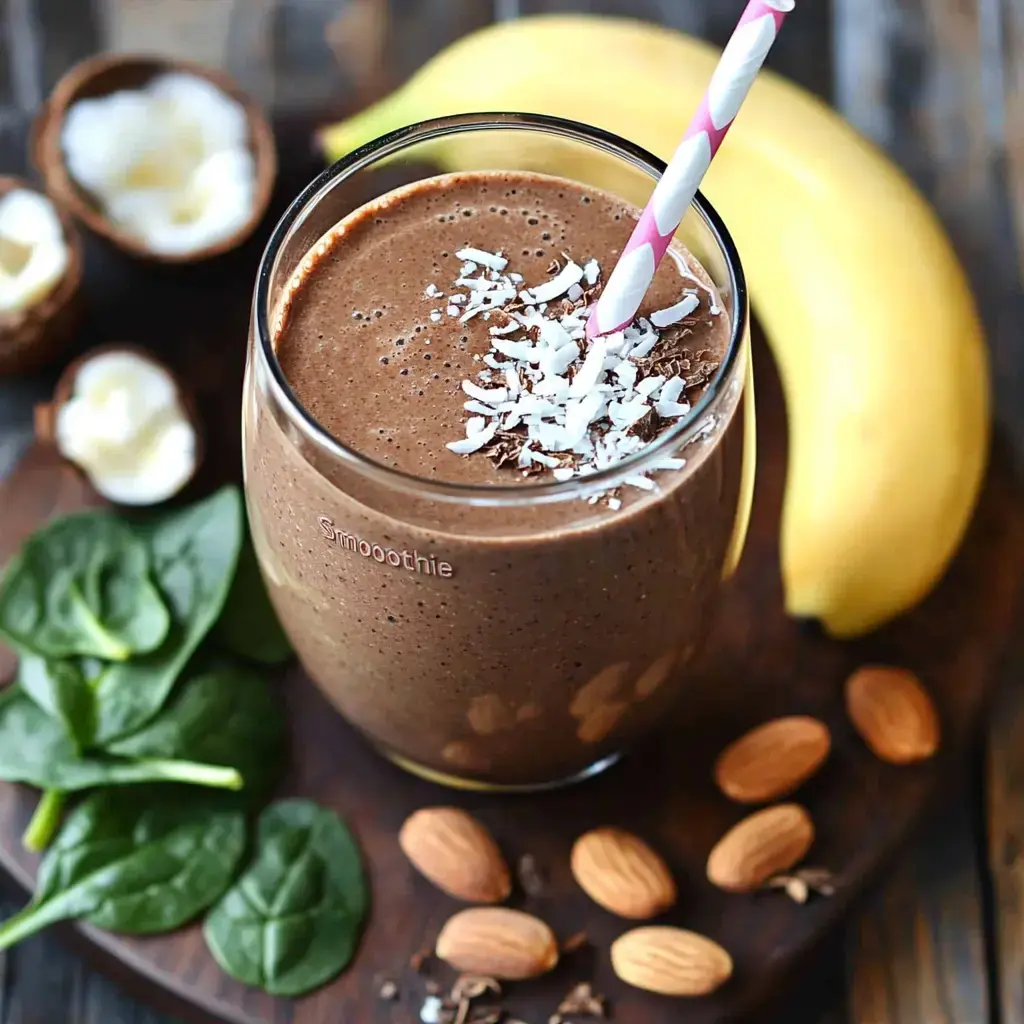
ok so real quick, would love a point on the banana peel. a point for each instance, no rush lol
(867, 311)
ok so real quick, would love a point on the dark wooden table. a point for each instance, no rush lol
(940, 84)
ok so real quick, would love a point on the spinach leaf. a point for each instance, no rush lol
(291, 921)
(60, 688)
(248, 626)
(229, 716)
(139, 862)
(80, 585)
(35, 749)
(194, 553)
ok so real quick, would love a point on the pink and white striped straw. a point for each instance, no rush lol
(741, 60)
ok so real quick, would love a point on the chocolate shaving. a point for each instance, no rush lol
(530, 877)
(575, 942)
(554, 267)
(701, 374)
(505, 447)
(582, 1001)
(799, 885)
(472, 986)
(647, 427)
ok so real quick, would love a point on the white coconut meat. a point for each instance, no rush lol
(169, 164)
(127, 429)
(33, 251)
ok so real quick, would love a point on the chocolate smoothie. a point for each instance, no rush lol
(467, 622)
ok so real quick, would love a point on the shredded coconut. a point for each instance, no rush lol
(549, 399)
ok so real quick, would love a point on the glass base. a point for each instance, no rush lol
(472, 785)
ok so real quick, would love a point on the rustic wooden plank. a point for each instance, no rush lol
(1006, 837)
(1009, 22)
(920, 77)
(44, 982)
(917, 955)
(185, 31)
(69, 33)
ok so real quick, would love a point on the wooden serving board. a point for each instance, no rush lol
(758, 664)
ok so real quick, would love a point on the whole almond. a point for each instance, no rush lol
(457, 854)
(893, 713)
(622, 873)
(670, 961)
(497, 942)
(772, 759)
(763, 844)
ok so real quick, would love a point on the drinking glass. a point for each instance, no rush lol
(507, 637)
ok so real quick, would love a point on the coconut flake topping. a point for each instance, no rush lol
(549, 399)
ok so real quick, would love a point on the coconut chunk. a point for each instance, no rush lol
(569, 275)
(33, 252)
(673, 314)
(493, 260)
(126, 426)
(490, 395)
(169, 164)
(473, 442)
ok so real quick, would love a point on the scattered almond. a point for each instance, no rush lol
(497, 942)
(670, 961)
(772, 759)
(763, 844)
(622, 873)
(457, 854)
(893, 713)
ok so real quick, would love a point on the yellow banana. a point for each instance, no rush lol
(868, 313)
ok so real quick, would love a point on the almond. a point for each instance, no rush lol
(670, 961)
(893, 713)
(763, 844)
(622, 873)
(497, 942)
(772, 759)
(457, 854)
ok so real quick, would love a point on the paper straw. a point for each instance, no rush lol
(741, 60)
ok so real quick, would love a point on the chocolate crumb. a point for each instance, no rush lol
(647, 427)
(575, 942)
(582, 1001)
(701, 374)
(472, 986)
(530, 876)
(799, 885)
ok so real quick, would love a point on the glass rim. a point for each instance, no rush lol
(505, 495)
